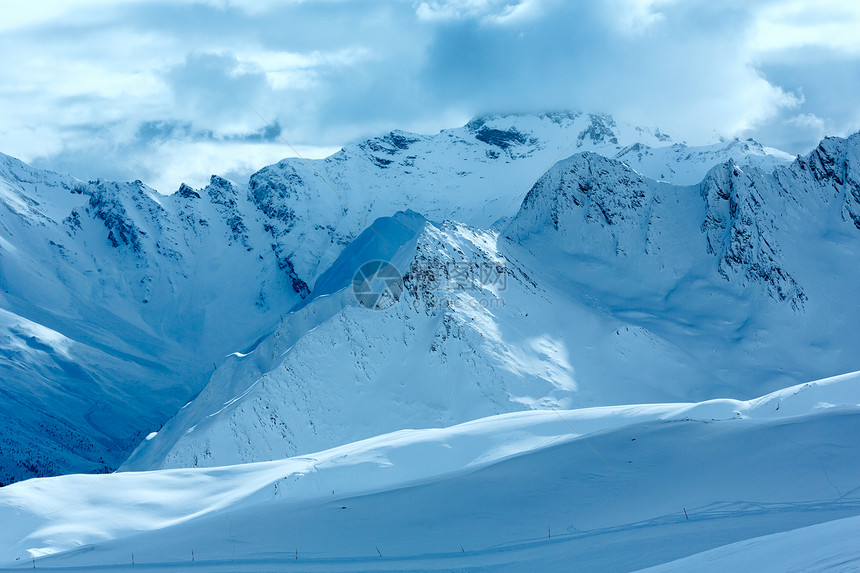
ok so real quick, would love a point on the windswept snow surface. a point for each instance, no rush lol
(603, 489)
(830, 547)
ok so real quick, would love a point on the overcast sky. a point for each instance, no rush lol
(173, 91)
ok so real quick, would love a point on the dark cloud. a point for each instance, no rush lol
(212, 88)
(154, 132)
(685, 72)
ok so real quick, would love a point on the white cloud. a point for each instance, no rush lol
(808, 121)
(192, 162)
(518, 13)
(296, 70)
(635, 17)
(167, 92)
(17, 15)
(29, 143)
(832, 24)
(495, 11)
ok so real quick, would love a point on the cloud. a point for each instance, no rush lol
(828, 80)
(217, 90)
(170, 91)
(487, 11)
(829, 24)
(677, 76)
(636, 17)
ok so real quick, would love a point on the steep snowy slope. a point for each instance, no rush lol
(63, 406)
(694, 264)
(472, 336)
(606, 489)
(606, 287)
(116, 301)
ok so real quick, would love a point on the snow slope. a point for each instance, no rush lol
(116, 303)
(606, 489)
(830, 546)
(701, 264)
(335, 372)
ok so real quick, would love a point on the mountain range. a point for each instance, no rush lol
(122, 304)
(551, 267)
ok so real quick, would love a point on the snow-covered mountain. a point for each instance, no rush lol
(476, 174)
(606, 286)
(685, 165)
(538, 272)
(118, 302)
